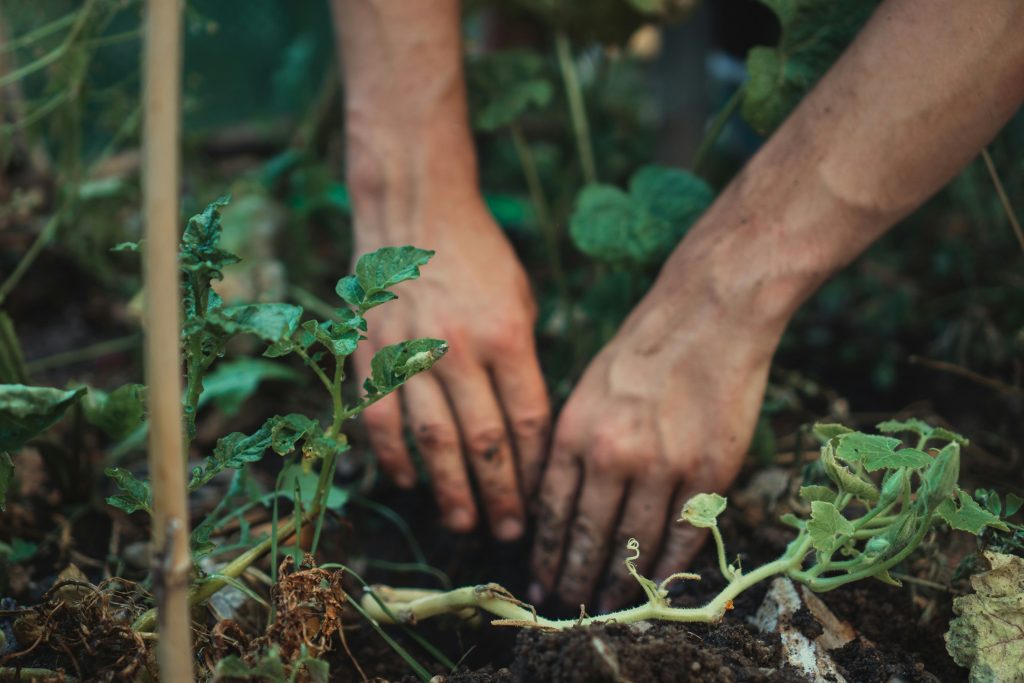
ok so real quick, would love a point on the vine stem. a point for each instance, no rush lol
(715, 131)
(577, 109)
(1011, 215)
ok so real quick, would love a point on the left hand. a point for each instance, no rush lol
(665, 411)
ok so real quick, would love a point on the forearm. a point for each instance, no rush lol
(923, 88)
(407, 136)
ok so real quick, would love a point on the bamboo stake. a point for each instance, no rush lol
(161, 133)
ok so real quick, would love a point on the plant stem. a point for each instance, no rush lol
(40, 243)
(577, 109)
(723, 563)
(90, 352)
(707, 144)
(1011, 215)
(315, 367)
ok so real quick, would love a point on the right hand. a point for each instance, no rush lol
(484, 404)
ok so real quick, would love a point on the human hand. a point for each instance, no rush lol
(485, 404)
(665, 411)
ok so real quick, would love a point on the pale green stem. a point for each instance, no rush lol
(577, 109)
(317, 370)
(723, 563)
(715, 131)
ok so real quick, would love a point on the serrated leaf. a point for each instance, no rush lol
(339, 339)
(815, 492)
(269, 322)
(504, 85)
(987, 635)
(826, 431)
(26, 412)
(200, 250)
(118, 413)
(233, 452)
(858, 447)
(905, 457)
(949, 435)
(914, 425)
(968, 515)
(232, 383)
(287, 430)
(813, 34)
(135, 495)
(827, 526)
(393, 365)
(639, 228)
(703, 510)
(379, 270)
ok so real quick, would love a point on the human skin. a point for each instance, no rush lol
(667, 408)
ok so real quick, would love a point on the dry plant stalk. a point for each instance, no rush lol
(161, 133)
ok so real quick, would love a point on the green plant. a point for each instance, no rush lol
(856, 527)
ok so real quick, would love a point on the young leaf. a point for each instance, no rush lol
(913, 425)
(393, 365)
(905, 457)
(200, 251)
(118, 413)
(858, 447)
(814, 33)
(703, 510)
(135, 493)
(1013, 504)
(947, 435)
(987, 635)
(504, 85)
(379, 270)
(815, 492)
(827, 526)
(968, 515)
(842, 477)
(269, 322)
(940, 479)
(826, 431)
(287, 430)
(233, 452)
(339, 339)
(26, 412)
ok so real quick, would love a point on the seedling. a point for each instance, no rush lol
(880, 500)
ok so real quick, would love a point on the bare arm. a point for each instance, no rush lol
(412, 170)
(668, 408)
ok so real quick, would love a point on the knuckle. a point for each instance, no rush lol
(436, 436)
(531, 425)
(485, 441)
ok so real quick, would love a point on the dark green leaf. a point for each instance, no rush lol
(233, 452)
(270, 322)
(287, 430)
(118, 413)
(948, 435)
(1013, 504)
(339, 339)
(504, 85)
(671, 194)
(377, 271)
(393, 365)
(814, 33)
(200, 250)
(968, 515)
(232, 383)
(135, 493)
(26, 412)
(269, 667)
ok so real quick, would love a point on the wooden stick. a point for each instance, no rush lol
(161, 164)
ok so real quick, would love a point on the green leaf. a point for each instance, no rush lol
(127, 246)
(339, 339)
(987, 635)
(233, 452)
(968, 515)
(1013, 504)
(827, 527)
(232, 383)
(505, 85)
(6, 476)
(118, 413)
(269, 667)
(393, 365)
(703, 510)
(947, 435)
(814, 33)
(135, 495)
(287, 430)
(913, 425)
(826, 431)
(905, 457)
(200, 250)
(26, 412)
(642, 227)
(269, 322)
(858, 447)
(377, 271)
(815, 492)
(306, 481)
(842, 477)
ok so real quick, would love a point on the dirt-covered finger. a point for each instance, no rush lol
(586, 552)
(643, 518)
(552, 511)
(437, 436)
(524, 400)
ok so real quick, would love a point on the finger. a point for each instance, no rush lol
(524, 399)
(644, 516)
(383, 422)
(589, 536)
(436, 435)
(682, 541)
(554, 506)
(487, 446)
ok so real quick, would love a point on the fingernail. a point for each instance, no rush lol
(535, 593)
(509, 529)
(460, 519)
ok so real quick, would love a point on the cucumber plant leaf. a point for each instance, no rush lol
(393, 365)
(505, 85)
(858, 447)
(703, 510)
(967, 515)
(640, 227)
(813, 35)
(379, 270)
(135, 495)
(117, 413)
(905, 457)
(827, 527)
